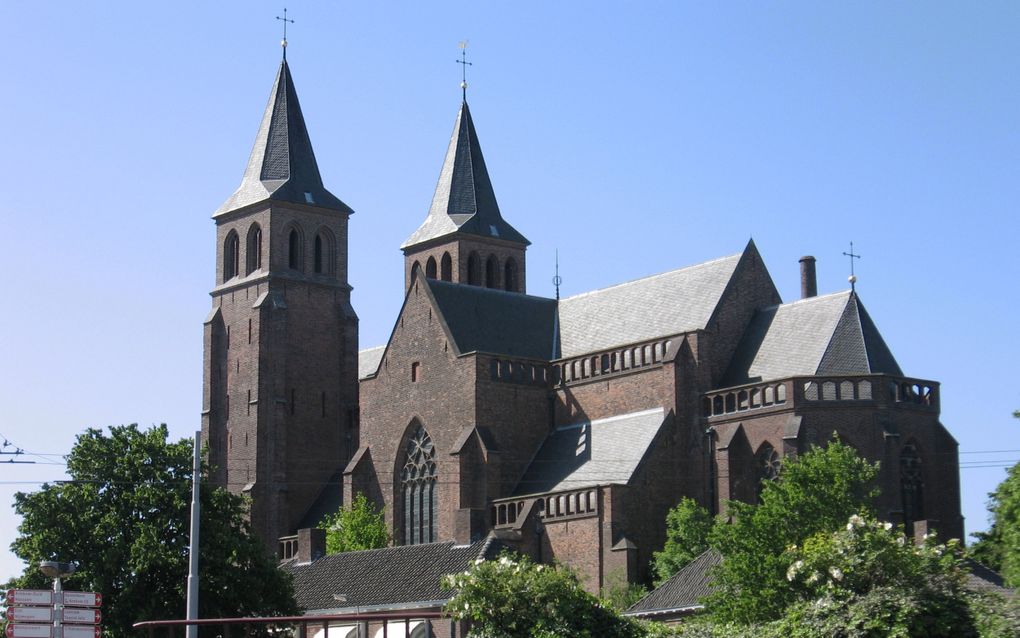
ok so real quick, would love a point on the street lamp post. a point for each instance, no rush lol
(56, 571)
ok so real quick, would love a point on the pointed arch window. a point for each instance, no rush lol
(294, 250)
(768, 464)
(474, 267)
(446, 268)
(510, 275)
(911, 485)
(430, 268)
(253, 249)
(418, 484)
(231, 256)
(323, 259)
(492, 272)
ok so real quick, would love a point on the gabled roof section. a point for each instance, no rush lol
(826, 335)
(464, 201)
(683, 591)
(658, 306)
(282, 164)
(599, 452)
(368, 361)
(495, 321)
(390, 578)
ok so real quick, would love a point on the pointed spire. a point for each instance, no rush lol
(282, 165)
(464, 200)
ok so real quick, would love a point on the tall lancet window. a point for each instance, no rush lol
(418, 481)
(911, 485)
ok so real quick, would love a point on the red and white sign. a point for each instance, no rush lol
(29, 597)
(79, 631)
(15, 630)
(30, 614)
(82, 599)
(78, 615)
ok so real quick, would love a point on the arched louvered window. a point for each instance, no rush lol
(911, 485)
(767, 463)
(295, 260)
(253, 252)
(418, 484)
(510, 275)
(231, 256)
(446, 268)
(492, 272)
(430, 268)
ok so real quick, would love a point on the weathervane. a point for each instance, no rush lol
(464, 65)
(852, 278)
(557, 280)
(283, 43)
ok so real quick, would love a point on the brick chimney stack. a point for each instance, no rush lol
(311, 545)
(808, 281)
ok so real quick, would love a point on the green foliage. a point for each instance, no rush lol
(869, 580)
(124, 519)
(815, 492)
(620, 594)
(995, 616)
(360, 526)
(688, 526)
(515, 598)
(999, 547)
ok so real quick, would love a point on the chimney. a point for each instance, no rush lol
(808, 281)
(311, 545)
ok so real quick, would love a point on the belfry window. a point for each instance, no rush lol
(294, 245)
(430, 268)
(418, 484)
(318, 254)
(911, 485)
(510, 275)
(231, 256)
(446, 268)
(253, 250)
(492, 272)
(474, 268)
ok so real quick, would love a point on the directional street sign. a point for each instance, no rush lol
(29, 597)
(15, 630)
(77, 615)
(30, 614)
(79, 631)
(82, 599)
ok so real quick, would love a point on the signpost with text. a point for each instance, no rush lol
(39, 613)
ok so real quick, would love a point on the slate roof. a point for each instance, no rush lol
(827, 335)
(983, 580)
(599, 452)
(390, 578)
(496, 321)
(658, 306)
(464, 200)
(282, 165)
(682, 591)
(368, 361)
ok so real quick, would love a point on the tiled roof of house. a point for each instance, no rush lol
(598, 452)
(683, 591)
(368, 361)
(464, 200)
(391, 578)
(984, 580)
(827, 335)
(282, 165)
(658, 306)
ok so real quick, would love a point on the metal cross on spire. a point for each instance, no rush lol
(464, 65)
(283, 43)
(557, 280)
(853, 278)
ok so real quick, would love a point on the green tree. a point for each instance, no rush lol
(515, 598)
(815, 492)
(123, 517)
(688, 526)
(999, 547)
(360, 526)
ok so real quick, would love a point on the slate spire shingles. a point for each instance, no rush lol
(282, 165)
(464, 200)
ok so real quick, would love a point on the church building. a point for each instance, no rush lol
(562, 428)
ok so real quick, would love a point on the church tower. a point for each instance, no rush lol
(464, 239)
(280, 396)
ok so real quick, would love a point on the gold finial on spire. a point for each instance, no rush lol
(283, 42)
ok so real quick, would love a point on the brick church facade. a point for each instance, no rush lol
(565, 428)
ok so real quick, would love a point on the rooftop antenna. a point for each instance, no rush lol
(852, 278)
(283, 42)
(464, 65)
(557, 280)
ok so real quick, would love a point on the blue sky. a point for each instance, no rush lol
(633, 138)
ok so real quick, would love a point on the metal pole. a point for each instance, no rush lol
(192, 631)
(58, 608)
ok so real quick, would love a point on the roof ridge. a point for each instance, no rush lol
(484, 290)
(654, 276)
(807, 300)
